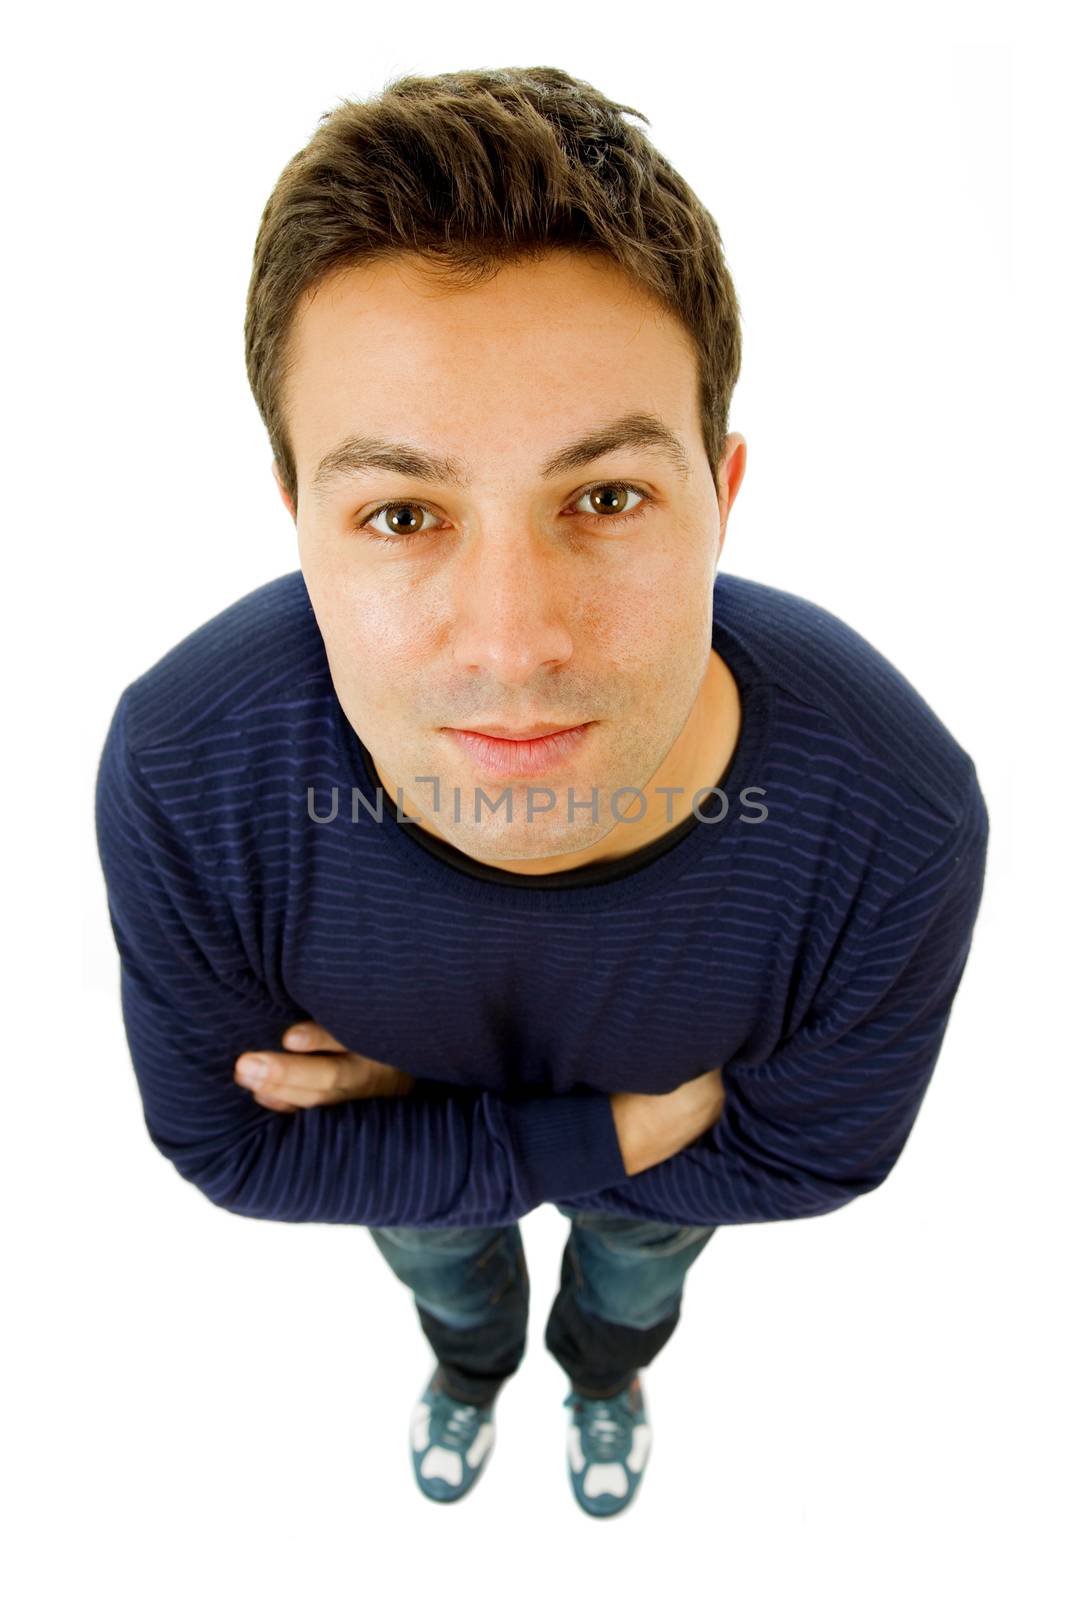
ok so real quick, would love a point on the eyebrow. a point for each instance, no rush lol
(363, 453)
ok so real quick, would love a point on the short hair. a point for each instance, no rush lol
(474, 170)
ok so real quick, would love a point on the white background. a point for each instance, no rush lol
(869, 1402)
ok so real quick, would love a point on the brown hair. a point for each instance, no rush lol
(472, 170)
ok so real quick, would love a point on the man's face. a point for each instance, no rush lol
(512, 596)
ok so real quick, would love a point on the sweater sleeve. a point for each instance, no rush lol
(436, 1157)
(826, 1116)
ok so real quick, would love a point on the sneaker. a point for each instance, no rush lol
(608, 1443)
(450, 1442)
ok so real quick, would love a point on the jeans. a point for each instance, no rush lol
(619, 1298)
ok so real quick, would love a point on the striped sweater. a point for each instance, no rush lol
(805, 928)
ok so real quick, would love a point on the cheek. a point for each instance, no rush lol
(372, 640)
(400, 629)
(647, 617)
(365, 617)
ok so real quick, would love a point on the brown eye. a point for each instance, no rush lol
(610, 496)
(404, 520)
(610, 502)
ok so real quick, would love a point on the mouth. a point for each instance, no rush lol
(525, 752)
(535, 730)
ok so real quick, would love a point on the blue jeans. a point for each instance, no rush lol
(619, 1298)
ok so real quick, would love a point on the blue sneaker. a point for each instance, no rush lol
(608, 1443)
(450, 1442)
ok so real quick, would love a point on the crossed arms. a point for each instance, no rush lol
(821, 1121)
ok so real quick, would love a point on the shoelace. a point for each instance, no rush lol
(603, 1424)
(460, 1422)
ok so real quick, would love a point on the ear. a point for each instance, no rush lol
(283, 491)
(731, 471)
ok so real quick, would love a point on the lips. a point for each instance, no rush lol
(509, 756)
(535, 730)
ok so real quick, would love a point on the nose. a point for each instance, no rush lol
(509, 607)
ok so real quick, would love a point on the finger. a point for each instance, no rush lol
(304, 1080)
(310, 1036)
(272, 1104)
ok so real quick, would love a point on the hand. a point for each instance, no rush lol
(653, 1127)
(323, 1073)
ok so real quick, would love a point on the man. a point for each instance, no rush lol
(585, 889)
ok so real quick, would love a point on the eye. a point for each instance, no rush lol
(611, 497)
(405, 532)
(608, 497)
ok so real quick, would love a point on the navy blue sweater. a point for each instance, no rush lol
(806, 930)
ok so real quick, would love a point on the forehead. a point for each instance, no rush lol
(388, 347)
(563, 288)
